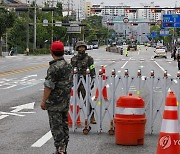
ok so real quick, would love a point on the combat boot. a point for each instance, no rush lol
(61, 150)
(93, 120)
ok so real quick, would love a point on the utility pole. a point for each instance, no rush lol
(52, 16)
(35, 14)
(68, 7)
(27, 41)
(6, 42)
(78, 14)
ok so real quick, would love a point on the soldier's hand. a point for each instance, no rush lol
(43, 105)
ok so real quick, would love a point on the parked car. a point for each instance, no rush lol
(68, 50)
(161, 52)
(89, 47)
(95, 44)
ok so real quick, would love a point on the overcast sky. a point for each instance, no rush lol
(135, 3)
(162, 3)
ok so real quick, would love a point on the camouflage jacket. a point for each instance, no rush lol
(178, 57)
(178, 54)
(82, 63)
(59, 79)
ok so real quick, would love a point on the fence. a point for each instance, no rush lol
(152, 89)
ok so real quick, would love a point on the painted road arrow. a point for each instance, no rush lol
(16, 110)
(24, 106)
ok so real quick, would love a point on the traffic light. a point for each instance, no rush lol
(48, 8)
(23, 9)
(151, 24)
(110, 23)
(156, 10)
(95, 10)
(177, 10)
(131, 10)
(134, 24)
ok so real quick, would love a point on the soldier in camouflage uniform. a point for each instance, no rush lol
(56, 97)
(178, 57)
(83, 61)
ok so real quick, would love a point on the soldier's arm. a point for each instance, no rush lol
(73, 62)
(46, 94)
(49, 85)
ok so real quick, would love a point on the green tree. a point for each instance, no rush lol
(95, 30)
(7, 19)
(17, 34)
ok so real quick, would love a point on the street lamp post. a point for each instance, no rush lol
(27, 41)
(35, 14)
(52, 26)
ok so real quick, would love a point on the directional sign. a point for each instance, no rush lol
(159, 22)
(154, 34)
(171, 20)
(45, 22)
(164, 32)
(58, 23)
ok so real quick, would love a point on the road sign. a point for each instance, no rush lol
(171, 20)
(154, 34)
(58, 24)
(45, 22)
(74, 27)
(125, 20)
(164, 32)
(159, 22)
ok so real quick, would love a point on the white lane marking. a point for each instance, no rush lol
(124, 64)
(3, 116)
(42, 140)
(175, 81)
(14, 114)
(141, 66)
(138, 52)
(159, 66)
(169, 74)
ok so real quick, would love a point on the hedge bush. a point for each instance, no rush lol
(40, 51)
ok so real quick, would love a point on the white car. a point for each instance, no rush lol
(160, 52)
(68, 50)
(89, 47)
(95, 46)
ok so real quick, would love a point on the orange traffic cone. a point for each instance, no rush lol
(78, 122)
(168, 142)
(104, 91)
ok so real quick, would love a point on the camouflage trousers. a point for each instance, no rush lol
(59, 128)
(82, 91)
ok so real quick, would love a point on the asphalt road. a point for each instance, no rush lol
(24, 127)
